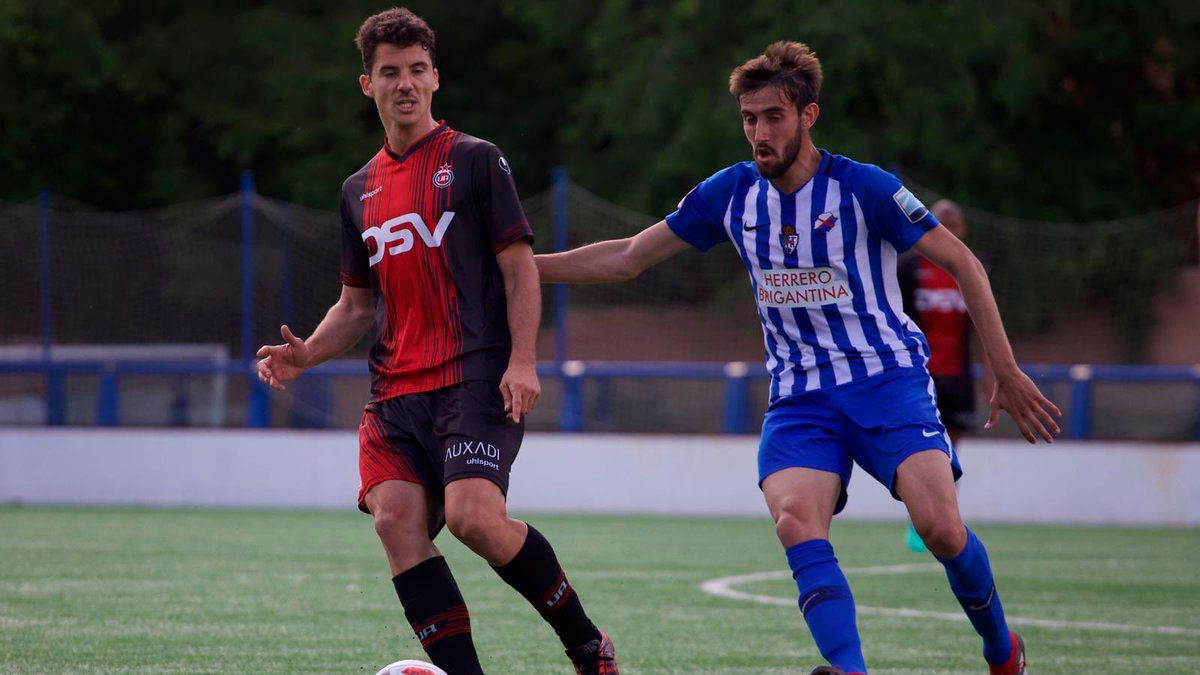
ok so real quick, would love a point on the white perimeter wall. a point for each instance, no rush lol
(1101, 483)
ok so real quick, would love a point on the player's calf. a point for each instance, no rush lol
(827, 603)
(971, 580)
(535, 573)
(435, 609)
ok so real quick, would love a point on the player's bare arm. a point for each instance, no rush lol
(1014, 392)
(343, 326)
(612, 260)
(520, 386)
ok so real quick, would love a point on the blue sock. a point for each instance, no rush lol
(827, 603)
(970, 576)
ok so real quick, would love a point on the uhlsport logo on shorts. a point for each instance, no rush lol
(443, 177)
(477, 453)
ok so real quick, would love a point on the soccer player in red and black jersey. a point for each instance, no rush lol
(437, 254)
(933, 300)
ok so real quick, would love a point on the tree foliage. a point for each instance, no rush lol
(137, 103)
(1055, 111)
(1059, 110)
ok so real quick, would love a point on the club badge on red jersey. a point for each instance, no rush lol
(443, 177)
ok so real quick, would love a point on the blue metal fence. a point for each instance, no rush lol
(735, 378)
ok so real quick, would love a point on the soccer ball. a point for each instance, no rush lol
(411, 667)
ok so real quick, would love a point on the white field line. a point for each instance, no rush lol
(724, 588)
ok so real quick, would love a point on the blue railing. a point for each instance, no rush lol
(735, 377)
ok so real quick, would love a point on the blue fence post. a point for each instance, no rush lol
(1079, 415)
(285, 266)
(571, 416)
(1196, 375)
(736, 395)
(180, 403)
(56, 396)
(561, 184)
(107, 399)
(56, 390)
(257, 402)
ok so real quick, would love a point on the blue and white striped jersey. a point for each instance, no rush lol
(822, 265)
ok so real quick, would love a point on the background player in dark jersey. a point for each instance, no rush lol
(933, 300)
(436, 253)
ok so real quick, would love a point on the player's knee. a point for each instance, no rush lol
(462, 526)
(393, 525)
(792, 528)
(472, 524)
(944, 538)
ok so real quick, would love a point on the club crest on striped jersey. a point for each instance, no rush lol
(789, 239)
(825, 222)
(443, 177)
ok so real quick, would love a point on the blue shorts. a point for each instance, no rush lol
(876, 422)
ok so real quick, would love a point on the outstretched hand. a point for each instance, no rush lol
(282, 363)
(1020, 398)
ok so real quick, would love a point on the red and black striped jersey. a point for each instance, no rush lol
(932, 299)
(422, 230)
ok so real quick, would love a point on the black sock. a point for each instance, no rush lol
(536, 574)
(435, 608)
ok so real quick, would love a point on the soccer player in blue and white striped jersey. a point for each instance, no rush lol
(819, 235)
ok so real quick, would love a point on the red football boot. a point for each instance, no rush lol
(597, 657)
(1016, 660)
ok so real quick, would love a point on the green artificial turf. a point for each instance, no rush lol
(87, 590)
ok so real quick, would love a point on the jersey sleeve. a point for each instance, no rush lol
(504, 220)
(699, 218)
(894, 213)
(356, 271)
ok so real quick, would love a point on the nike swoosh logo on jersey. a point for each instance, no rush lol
(929, 434)
(747, 228)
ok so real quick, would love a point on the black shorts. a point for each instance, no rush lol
(436, 437)
(956, 401)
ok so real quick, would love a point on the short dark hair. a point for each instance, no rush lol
(396, 26)
(791, 66)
